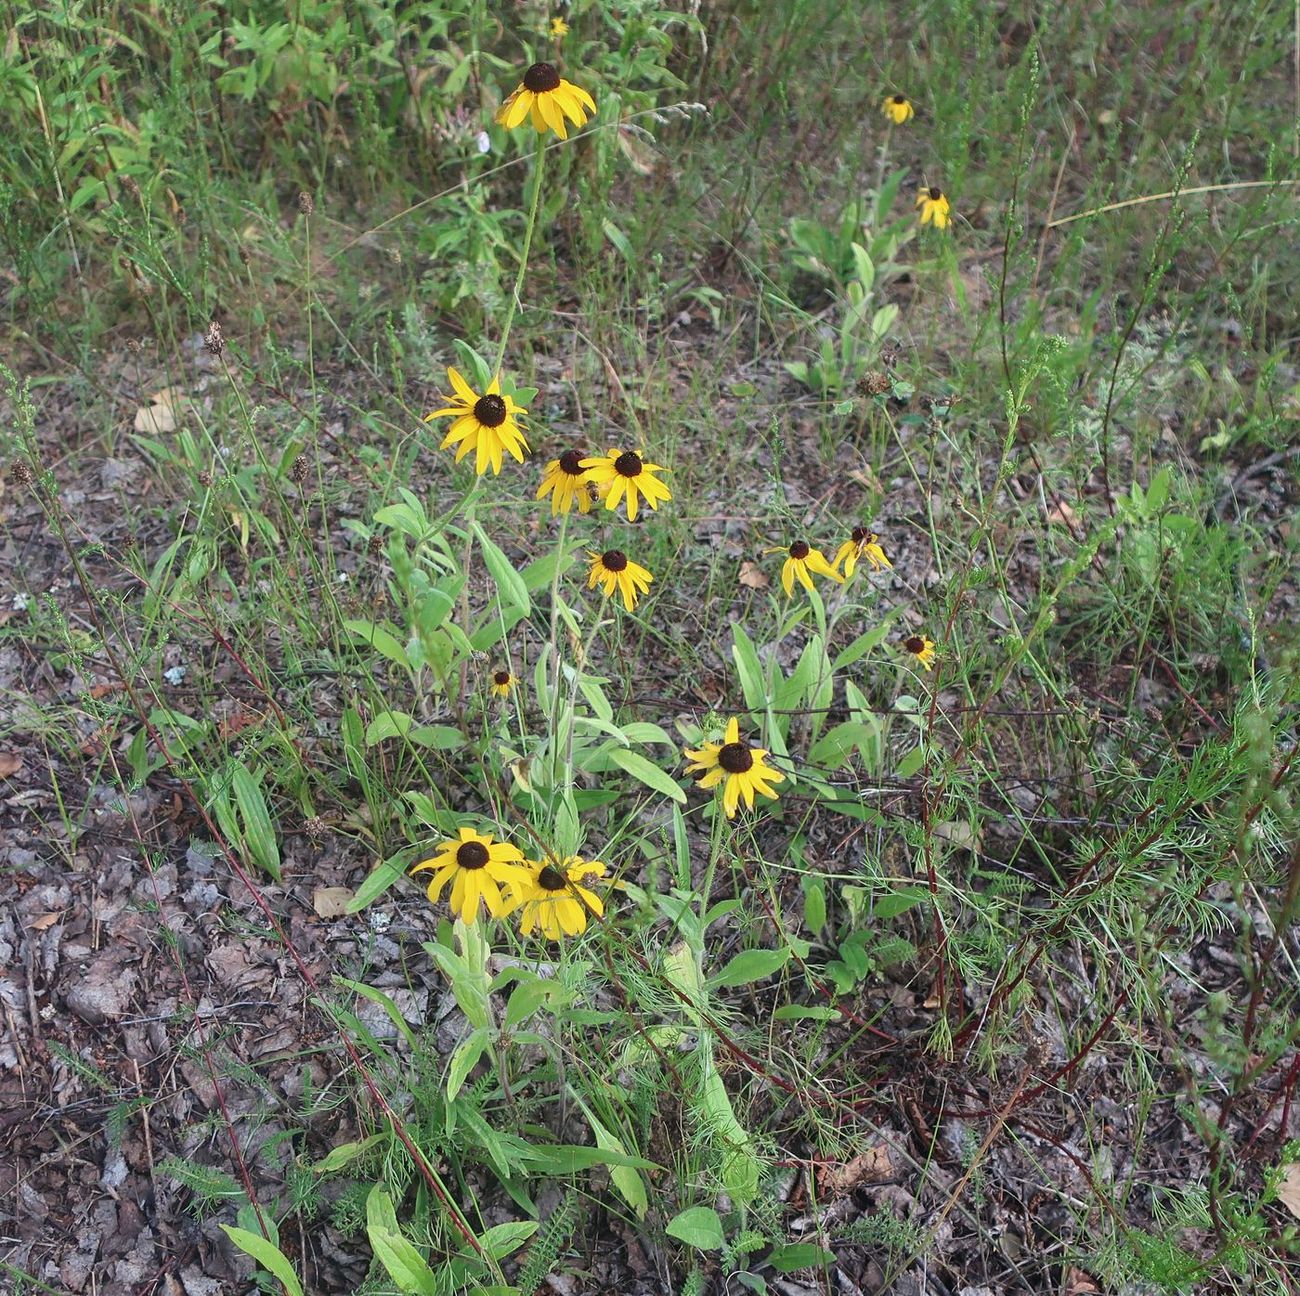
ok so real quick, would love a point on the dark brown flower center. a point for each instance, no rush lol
(502, 677)
(862, 536)
(628, 464)
(490, 411)
(935, 194)
(471, 855)
(736, 758)
(614, 560)
(900, 99)
(540, 78)
(914, 643)
(799, 550)
(571, 463)
(551, 879)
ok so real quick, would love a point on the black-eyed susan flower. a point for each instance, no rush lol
(477, 868)
(623, 473)
(920, 649)
(933, 203)
(487, 424)
(567, 482)
(898, 108)
(554, 901)
(741, 769)
(549, 99)
(801, 561)
(502, 682)
(861, 546)
(559, 29)
(614, 570)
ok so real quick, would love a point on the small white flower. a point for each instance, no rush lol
(484, 142)
(379, 921)
(342, 578)
(20, 602)
(174, 674)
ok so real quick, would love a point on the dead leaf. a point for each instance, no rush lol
(1078, 1283)
(871, 1166)
(10, 764)
(1062, 514)
(42, 921)
(1288, 1190)
(752, 574)
(331, 902)
(163, 411)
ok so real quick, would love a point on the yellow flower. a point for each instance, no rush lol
(898, 108)
(568, 483)
(502, 682)
(487, 424)
(615, 570)
(933, 203)
(477, 867)
(921, 649)
(742, 769)
(862, 544)
(559, 29)
(549, 99)
(624, 472)
(801, 561)
(554, 899)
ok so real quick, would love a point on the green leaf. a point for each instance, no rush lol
(862, 645)
(645, 772)
(464, 1059)
(502, 1239)
(346, 1153)
(437, 737)
(378, 880)
(268, 1255)
(379, 997)
(911, 762)
(750, 670)
(700, 1227)
(404, 1264)
(569, 1158)
(814, 904)
(799, 1255)
(510, 584)
(383, 641)
(258, 835)
(628, 1183)
(388, 724)
(834, 747)
(893, 903)
(750, 966)
(800, 1012)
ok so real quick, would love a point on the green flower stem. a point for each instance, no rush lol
(539, 166)
(555, 600)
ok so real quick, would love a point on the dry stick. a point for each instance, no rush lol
(1172, 193)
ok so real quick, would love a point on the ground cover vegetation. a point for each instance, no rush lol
(649, 646)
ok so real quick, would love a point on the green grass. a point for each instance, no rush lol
(1022, 922)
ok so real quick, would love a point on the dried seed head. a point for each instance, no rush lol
(298, 472)
(214, 339)
(133, 346)
(244, 254)
(205, 478)
(875, 383)
(129, 186)
(315, 827)
(22, 473)
(375, 544)
(306, 203)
